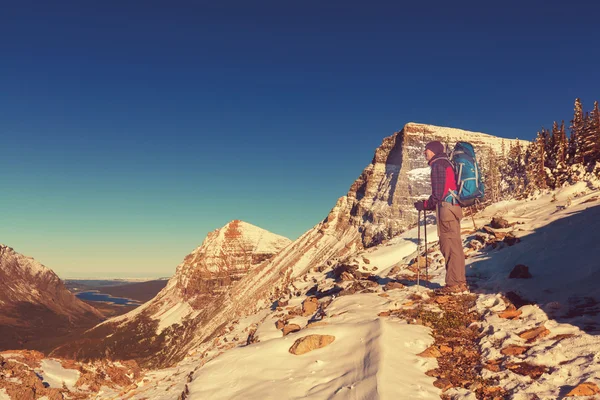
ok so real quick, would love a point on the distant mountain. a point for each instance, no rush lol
(160, 332)
(36, 309)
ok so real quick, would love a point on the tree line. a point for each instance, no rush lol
(551, 160)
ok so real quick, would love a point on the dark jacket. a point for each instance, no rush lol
(442, 180)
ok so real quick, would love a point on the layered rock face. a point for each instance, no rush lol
(380, 202)
(161, 331)
(36, 309)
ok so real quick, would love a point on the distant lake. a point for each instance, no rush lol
(97, 296)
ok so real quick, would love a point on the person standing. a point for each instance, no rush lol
(448, 213)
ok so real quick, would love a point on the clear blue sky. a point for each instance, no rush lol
(130, 129)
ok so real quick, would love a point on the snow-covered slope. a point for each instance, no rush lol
(376, 353)
(164, 329)
(34, 303)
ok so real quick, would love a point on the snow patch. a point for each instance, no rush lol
(55, 375)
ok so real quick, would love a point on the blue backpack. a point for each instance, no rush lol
(469, 181)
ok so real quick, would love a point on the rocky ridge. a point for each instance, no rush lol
(35, 305)
(162, 330)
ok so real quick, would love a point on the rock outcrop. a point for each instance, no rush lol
(36, 309)
(380, 202)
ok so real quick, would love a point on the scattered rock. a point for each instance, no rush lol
(520, 271)
(430, 352)
(309, 306)
(394, 271)
(511, 239)
(493, 365)
(526, 369)
(393, 285)
(584, 389)
(531, 335)
(290, 328)
(309, 343)
(499, 223)
(514, 350)
(366, 261)
(442, 383)
(562, 336)
(590, 200)
(445, 349)
(510, 313)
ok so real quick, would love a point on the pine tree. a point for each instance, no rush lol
(492, 176)
(587, 140)
(515, 173)
(577, 125)
(594, 133)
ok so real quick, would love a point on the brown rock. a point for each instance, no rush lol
(510, 314)
(511, 239)
(309, 306)
(499, 223)
(442, 299)
(430, 352)
(309, 343)
(493, 365)
(514, 350)
(384, 314)
(520, 271)
(393, 285)
(366, 261)
(584, 389)
(526, 369)
(279, 324)
(562, 336)
(531, 335)
(289, 328)
(383, 295)
(442, 383)
(394, 271)
(445, 349)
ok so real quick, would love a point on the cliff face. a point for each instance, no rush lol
(35, 306)
(380, 202)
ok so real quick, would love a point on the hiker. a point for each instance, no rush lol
(448, 213)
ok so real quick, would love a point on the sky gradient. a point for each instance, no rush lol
(129, 131)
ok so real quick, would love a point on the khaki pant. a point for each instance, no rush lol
(448, 224)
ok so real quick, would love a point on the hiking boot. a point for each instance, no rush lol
(454, 289)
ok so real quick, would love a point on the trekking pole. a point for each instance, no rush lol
(426, 259)
(419, 249)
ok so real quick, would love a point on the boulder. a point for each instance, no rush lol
(499, 223)
(290, 328)
(309, 343)
(520, 271)
(393, 285)
(584, 389)
(309, 306)
(511, 239)
(514, 350)
(531, 335)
